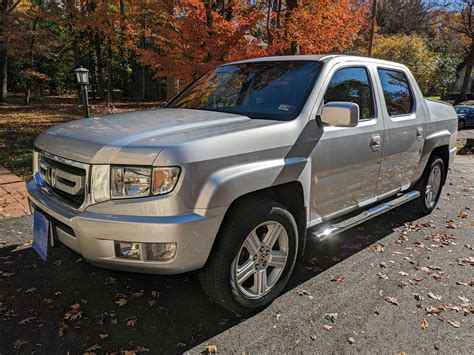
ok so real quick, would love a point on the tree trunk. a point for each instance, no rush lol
(170, 88)
(123, 53)
(27, 94)
(291, 5)
(109, 72)
(372, 28)
(143, 91)
(467, 74)
(3, 73)
(100, 67)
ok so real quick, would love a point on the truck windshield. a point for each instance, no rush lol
(267, 90)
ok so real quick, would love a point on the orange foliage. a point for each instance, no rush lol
(189, 38)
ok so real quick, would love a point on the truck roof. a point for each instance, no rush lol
(326, 58)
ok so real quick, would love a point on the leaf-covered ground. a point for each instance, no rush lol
(398, 283)
(20, 124)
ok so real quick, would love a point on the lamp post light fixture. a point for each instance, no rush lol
(82, 76)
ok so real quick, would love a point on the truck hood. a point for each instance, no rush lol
(137, 137)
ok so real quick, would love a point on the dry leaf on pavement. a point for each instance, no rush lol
(433, 296)
(210, 349)
(121, 302)
(337, 278)
(392, 300)
(351, 340)
(327, 327)
(26, 320)
(19, 343)
(331, 316)
(424, 324)
(455, 323)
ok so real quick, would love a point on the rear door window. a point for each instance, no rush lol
(397, 92)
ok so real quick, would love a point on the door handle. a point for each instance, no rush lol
(419, 133)
(375, 143)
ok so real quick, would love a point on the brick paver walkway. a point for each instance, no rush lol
(13, 200)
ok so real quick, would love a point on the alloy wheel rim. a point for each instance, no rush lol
(433, 186)
(261, 260)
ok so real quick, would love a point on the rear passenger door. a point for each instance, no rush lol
(404, 133)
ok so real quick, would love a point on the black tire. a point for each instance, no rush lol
(461, 124)
(420, 204)
(217, 277)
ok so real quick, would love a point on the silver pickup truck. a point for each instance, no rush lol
(240, 168)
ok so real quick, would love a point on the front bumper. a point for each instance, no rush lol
(92, 232)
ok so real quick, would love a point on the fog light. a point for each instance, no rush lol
(127, 250)
(160, 251)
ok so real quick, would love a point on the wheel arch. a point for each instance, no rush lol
(289, 194)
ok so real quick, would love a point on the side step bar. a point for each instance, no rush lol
(333, 229)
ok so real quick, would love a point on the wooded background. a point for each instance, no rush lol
(148, 49)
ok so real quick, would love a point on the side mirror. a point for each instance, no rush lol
(340, 114)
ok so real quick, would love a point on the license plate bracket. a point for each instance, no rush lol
(41, 233)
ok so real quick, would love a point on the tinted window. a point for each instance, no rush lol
(273, 90)
(397, 92)
(352, 85)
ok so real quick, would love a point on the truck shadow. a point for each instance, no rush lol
(161, 313)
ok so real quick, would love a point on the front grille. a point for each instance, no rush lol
(64, 179)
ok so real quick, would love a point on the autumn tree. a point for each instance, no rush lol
(410, 50)
(463, 25)
(7, 9)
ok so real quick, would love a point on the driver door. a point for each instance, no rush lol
(346, 161)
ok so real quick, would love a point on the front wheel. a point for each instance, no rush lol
(253, 257)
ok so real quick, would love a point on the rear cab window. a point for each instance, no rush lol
(399, 98)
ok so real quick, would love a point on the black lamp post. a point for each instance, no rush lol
(82, 75)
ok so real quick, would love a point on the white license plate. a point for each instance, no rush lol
(41, 228)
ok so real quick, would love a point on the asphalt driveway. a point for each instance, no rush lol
(398, 283)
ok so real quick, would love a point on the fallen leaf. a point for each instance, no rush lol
(418, 297)
(19, 343)
(424, 324)
(132, 322)
(75, 313)
(351, 340)
(210, 349)
(463, 214)
(433, 296)
(110, 280)
(26, 320)
(392, 300)
(337, 278)
(403, 273)
(455, 323)
(103, 336)
(155, 294)
(382, 276)
(302, 292)
(378, 248)
(30, 290)
(138, 293)
(313, 337)
(121, 302)
(331, 316)
(327, 327)
(93, 348)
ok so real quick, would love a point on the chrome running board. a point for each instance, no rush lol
(330, 230)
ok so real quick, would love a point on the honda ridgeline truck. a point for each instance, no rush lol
(240, 168)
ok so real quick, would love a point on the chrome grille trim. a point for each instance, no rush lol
(69, 187)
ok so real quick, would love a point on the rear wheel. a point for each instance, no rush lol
(253, 257)
(430, 186)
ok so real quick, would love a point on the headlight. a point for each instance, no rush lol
(130, 182)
